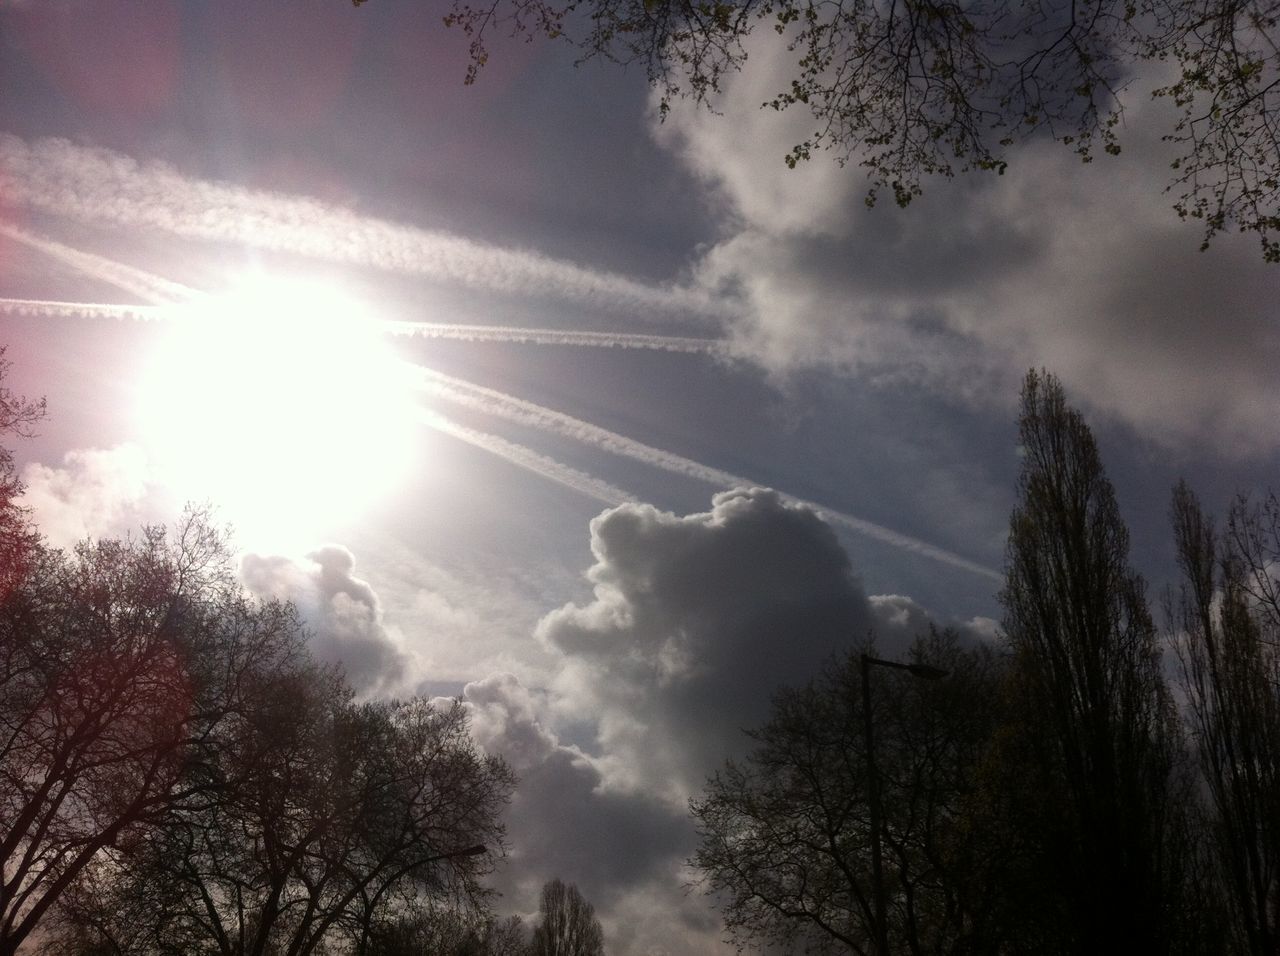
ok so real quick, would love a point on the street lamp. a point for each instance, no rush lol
(924, 672)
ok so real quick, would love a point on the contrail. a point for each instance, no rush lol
(436, 330)
(506, 333)
(97, 310)
(530, 460)
(99, 185)
(135, 281)
(493, 402)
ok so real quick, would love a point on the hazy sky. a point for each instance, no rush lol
(244, 247)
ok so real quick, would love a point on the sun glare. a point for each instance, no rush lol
(282, 404)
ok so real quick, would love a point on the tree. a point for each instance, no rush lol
(434, 931)
(784, 837)
(567, 924)
(108, 700)
(178, 775)
(17, 417)
(1226, 620)
(913, 88)
(331, 817)
(1097, 726)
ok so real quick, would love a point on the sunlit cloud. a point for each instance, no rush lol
(342, 613)
(1082, 268)
(93, 493)
(626, 846)
(694, 621)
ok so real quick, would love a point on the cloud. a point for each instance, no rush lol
(341, 611)
(624, 850)
(97, 492)
(696, 620)
(101, 186)
(1083, 268)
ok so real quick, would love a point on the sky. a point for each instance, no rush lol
(610, 425)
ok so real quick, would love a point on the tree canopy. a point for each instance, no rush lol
(785, 837)
(910, 89)
(567, 924)
(179, 775)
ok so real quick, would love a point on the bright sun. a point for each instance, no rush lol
(282, 404)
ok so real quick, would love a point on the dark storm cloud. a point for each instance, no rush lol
(341, 611)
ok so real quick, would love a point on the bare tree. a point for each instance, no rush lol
(785, 837)
(1226, 620)
(1098, 727)
(567, 924)
(332, 817)
(423, 930)
(915, 88)
(17, 540)
(106, 702)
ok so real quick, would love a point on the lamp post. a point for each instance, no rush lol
(925, 672)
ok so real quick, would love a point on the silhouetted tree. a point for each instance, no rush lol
(567, 924)
(1226, 618)
(785, 836)
(909, 89)
(332, 815)
(108, 700)
(435, 931)
(178, 775)
(1097, 733)
(17, 417)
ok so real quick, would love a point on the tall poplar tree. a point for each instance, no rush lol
(1097, 725)
(1226, 621)
(568, 925)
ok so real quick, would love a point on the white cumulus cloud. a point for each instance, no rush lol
(94, 493)
(341, 612)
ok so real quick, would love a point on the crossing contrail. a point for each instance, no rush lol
(499, 404)
(507, 333)
(435, 330)
(139, 282)
(530, 460)
(42, 308)
(101, 186)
